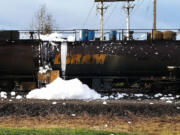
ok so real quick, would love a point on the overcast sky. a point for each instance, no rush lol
(72, 14)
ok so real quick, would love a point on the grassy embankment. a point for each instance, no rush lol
(23, 131)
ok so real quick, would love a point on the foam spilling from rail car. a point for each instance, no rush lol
(63, 56)
(64, 89)
(57, 37)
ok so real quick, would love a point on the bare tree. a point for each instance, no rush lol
(43, 21)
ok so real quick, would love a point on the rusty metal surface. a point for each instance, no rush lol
(133, 58)
(16, 58)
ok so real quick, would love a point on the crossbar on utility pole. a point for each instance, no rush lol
(101, 8)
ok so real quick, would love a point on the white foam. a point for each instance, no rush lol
(3, 94)
(54, 103)
(73, 115)
(71, 38)
(18, 97)
(52, 37)
(121, 95)
(44, 69)
(158, 95)
(167, 98)
(62, 89)
(169, 101)
(13, 93)
(104, 103)
(56, 37)
(63, 56)
(138, 95)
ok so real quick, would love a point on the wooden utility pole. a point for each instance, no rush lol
(101, 19)
(101, 8)
(127, 8)
(127, 19)
(154, 15)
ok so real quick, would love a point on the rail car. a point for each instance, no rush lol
(103, 65)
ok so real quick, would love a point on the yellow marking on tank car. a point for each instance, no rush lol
(57, 59)
(76, 59)
(99, 58)
(81, 59)
(86, 59)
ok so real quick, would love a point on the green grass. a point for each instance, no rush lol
(21, 131)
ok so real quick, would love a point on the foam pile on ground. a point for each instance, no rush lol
(158, 95)
(3, 94)
(121, 95)
(62, 89)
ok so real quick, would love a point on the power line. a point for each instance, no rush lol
(108, 18)
(87, 18)
(138, 5)
(108, 7)
(148, 6)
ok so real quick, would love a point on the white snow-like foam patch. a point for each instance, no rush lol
(158, 95)
(3, 94)
(138, 95)
(64, 89)
(52, 37)
(13, 93)
(44, 69)
(71, 39)
(104, 103)
(121, 95)
(167, 98)
(57, 37)
(18, 97)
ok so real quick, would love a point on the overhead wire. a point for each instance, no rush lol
(148, 6)
(87, 18)
(108, 18)
(108, 7)
(138, 5)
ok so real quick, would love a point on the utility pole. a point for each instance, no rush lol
(127, 20)
(101, 8)
(101, 19)
(127, 8)
(154, 15)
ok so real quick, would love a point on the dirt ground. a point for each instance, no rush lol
(149, 117)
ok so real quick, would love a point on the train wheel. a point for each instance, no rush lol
(107, 84)
(7, 85)
(96, 84)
